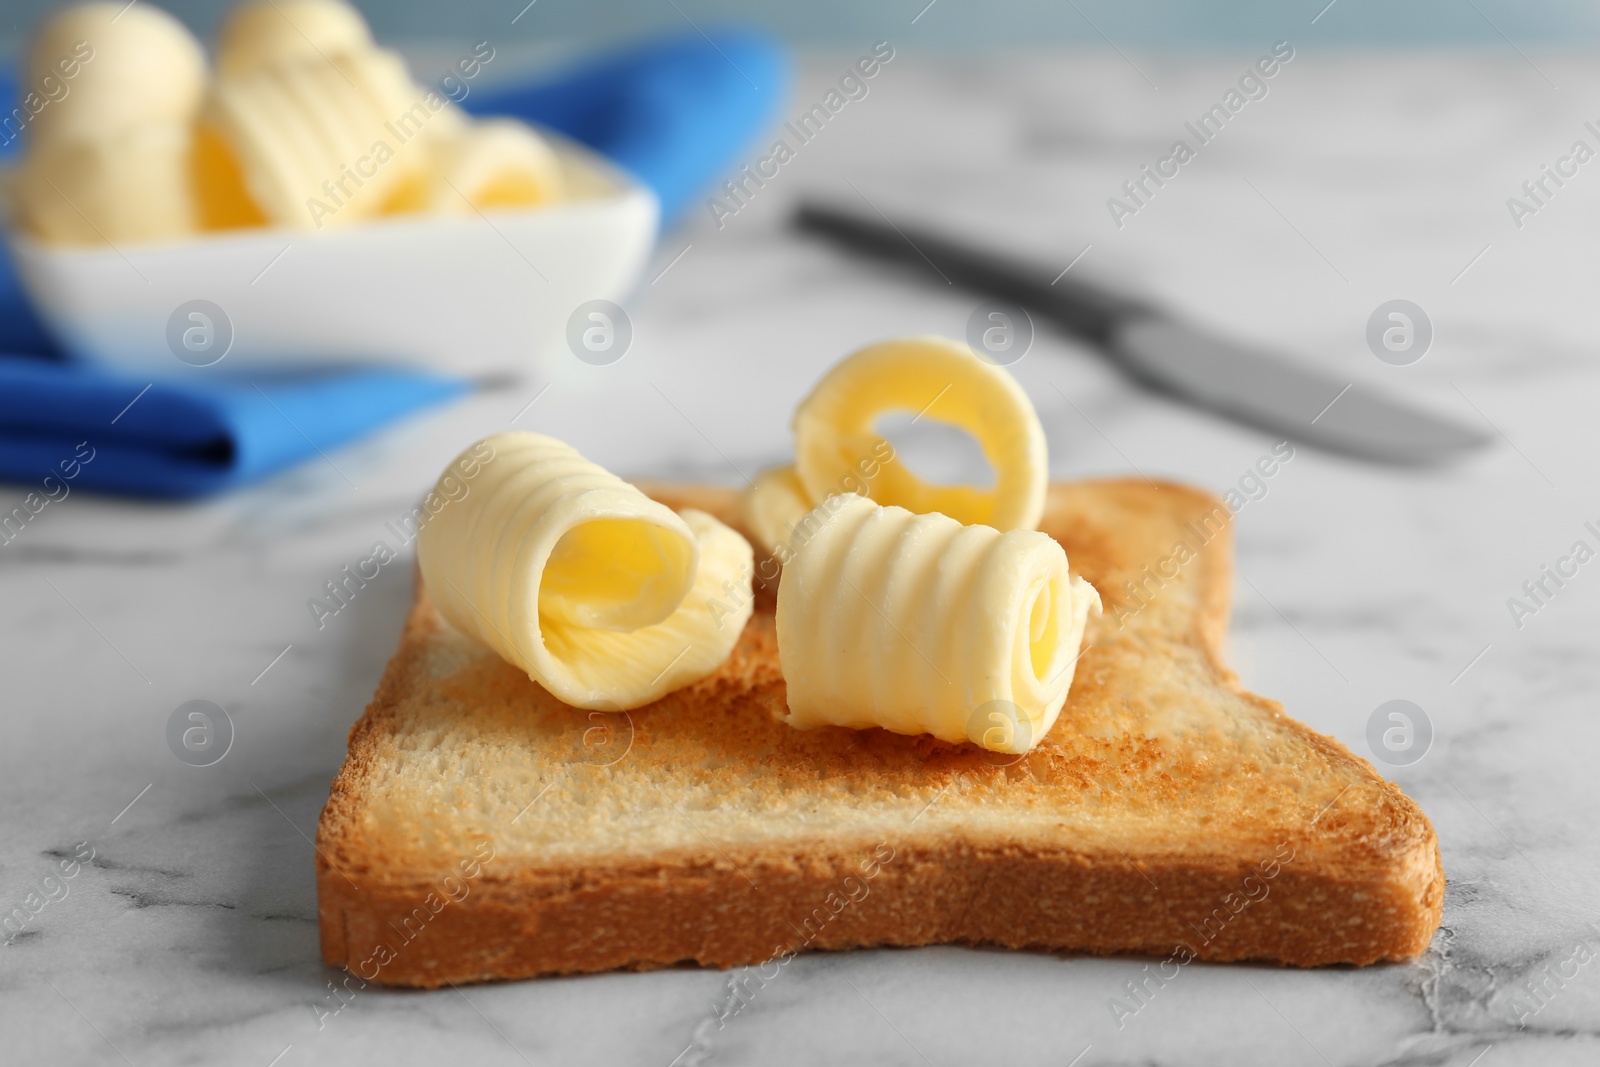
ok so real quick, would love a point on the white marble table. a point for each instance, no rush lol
(191, 935)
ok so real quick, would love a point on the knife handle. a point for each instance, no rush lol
(1083, 309)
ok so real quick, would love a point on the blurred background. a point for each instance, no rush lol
(1167, 24)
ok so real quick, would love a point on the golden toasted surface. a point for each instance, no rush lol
(1161, 772)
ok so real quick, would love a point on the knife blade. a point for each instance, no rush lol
(1263, 389)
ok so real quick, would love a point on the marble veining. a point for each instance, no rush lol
(189, 935)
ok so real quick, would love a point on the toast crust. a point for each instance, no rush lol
(1168, 813)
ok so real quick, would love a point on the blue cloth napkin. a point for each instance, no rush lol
(180, 439)
(676, 112)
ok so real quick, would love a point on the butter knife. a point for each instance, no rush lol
(1251, 385)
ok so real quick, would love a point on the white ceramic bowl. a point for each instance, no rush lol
(486, 293)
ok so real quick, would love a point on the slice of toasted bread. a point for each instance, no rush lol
(481, 829)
